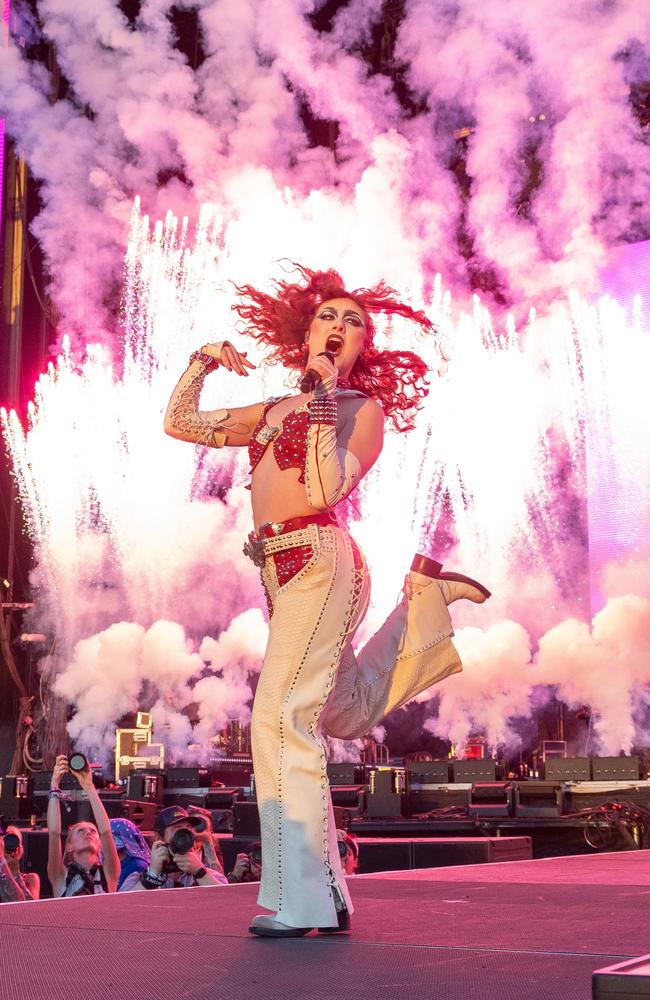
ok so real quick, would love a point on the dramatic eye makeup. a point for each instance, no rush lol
(352, 317)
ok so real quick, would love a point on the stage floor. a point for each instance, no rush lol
(528, 930)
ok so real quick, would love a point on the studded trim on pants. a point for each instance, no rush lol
(314, 616)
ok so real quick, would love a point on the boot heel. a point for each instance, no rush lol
(343, 924)
(425, 566)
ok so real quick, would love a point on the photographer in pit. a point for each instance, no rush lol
(175, 856)
(348, 852)
(89, 864)
(15, 885)
(248, 866)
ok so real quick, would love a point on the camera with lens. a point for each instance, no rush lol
(77, 761)
(182, 842)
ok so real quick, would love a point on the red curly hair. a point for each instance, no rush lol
(396, 379)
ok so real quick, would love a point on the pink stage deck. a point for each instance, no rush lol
(530, 929)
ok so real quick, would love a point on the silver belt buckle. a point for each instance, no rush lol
(254, 549)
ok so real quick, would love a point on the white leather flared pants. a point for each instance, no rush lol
(311, 684)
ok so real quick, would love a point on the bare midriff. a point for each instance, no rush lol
(277, 494)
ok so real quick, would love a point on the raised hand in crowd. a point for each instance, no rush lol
(89, 863)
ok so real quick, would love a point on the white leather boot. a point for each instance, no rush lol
(411, 651)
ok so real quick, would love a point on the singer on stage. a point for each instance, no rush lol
(308, 451)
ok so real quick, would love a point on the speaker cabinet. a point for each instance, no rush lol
(420, 773)
(567, 769)
(245, 819)
(384, 798)
(143, 787)
(379, 855)
(444, 852)
(35, 844)
(351, 796)
(615, 768)
(142, 814)
(17, 798)
(187, 777)
(342, 774)
(538, 799)
(222, 798)
(494, 798)
(473, 771)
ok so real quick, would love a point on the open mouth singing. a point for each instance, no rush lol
(334, 344)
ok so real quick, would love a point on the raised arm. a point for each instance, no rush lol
(213, 428)
(111, 860)
(55, 868)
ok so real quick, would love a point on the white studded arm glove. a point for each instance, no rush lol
(183, 418)
(330, 472)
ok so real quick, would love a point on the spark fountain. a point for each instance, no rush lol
(138, 538)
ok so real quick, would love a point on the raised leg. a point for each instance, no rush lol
(411, 652)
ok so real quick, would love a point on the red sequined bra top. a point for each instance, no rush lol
(289, 439)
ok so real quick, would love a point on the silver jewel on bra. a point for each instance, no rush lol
(266, 434)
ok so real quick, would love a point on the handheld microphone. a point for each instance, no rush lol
(311, 378)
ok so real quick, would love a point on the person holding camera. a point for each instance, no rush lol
(89, 864)
(15, 885)
(176, 859)
(248, 866)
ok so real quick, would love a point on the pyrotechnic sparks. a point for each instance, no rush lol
(130, 526)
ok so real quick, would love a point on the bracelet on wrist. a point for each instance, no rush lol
(208, 360)
(200, 873)
(322, 410)
(150, 880)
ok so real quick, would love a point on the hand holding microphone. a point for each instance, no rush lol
(315, 374)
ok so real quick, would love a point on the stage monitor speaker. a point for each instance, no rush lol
(342, 774)
(447, 851)
(245, 819)
(142, 814)
(567, 769)
(493, 798)
(420, 773)
(473, 771)
(187, 777)
(222, 798)
(615, 768)
(384, 855)
(538, 799)
(143, 787)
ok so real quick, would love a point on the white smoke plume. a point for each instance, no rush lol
(126, 668)
(137, 119)
(605, 666)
